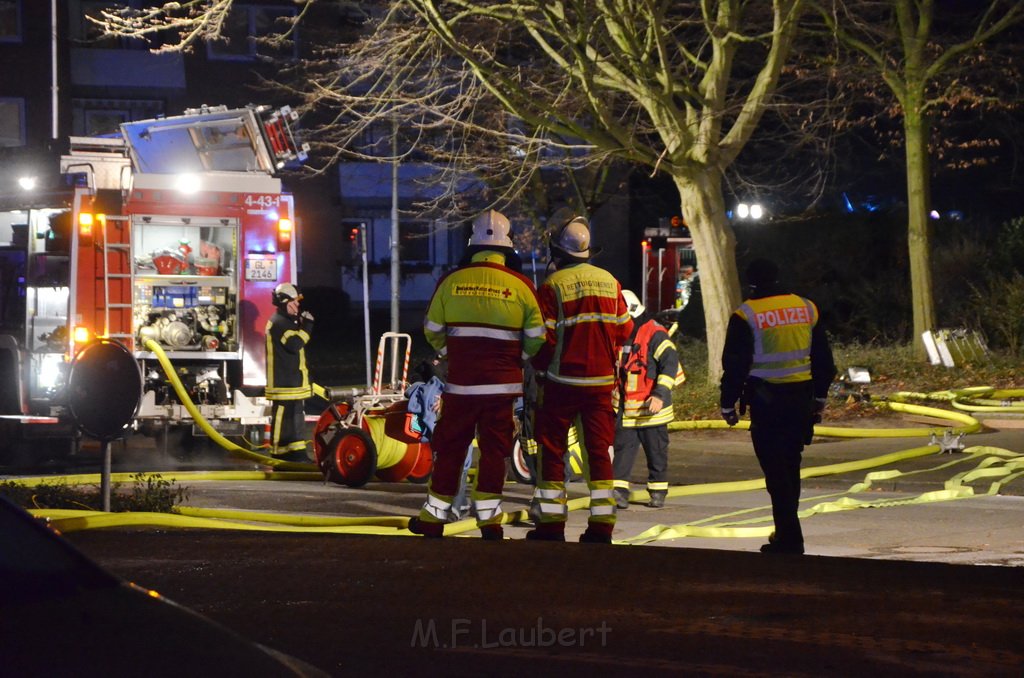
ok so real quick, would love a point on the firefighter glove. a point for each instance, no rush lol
(307, 317)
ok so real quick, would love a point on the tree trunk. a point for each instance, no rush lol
(919, 224)
(715, 245)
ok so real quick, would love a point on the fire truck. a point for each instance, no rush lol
(669, 266)
(172, 234)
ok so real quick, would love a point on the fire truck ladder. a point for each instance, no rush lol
(118, 248)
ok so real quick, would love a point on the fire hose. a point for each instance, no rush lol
(1001, 465)
(214, 434)
(354, 462)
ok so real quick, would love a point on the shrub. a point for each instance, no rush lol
(998, 305)
(147, 493)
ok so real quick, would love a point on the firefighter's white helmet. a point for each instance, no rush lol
(491, 228)
(633, 304)
(284, 293)
(573, 239)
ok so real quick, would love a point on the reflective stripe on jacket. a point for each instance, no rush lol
(486, 319)
(287, 376)
(649, 366)
(781, 326)
(587, 322)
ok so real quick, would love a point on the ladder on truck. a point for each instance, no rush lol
(116, 264)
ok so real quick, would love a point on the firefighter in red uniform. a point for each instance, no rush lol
(777, 361)
(288, 331)
(587, 323)
(649, 370)
(484, 318)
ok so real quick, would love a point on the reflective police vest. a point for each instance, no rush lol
(782, 327)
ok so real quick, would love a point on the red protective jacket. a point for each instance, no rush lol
(586, 321)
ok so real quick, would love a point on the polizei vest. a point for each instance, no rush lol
(782, 327)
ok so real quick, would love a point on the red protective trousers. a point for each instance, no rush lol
(489, 418)
(559, 406)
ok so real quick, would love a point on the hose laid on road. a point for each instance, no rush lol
(67, 520)
(191, 517)
(968, 423)
(973, 399)
(994, 463)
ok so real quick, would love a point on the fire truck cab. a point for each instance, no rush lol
(175, 233)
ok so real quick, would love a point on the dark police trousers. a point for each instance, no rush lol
(780, 423)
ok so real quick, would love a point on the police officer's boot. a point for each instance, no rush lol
(657, 499)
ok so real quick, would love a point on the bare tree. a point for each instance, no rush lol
(676, 87)
(921, 62)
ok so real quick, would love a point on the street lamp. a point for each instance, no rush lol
(754, 211)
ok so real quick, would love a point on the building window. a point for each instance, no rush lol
(414, 239)
(104, 122)
(10, 20)
(12, 122)
(252, 31)
(92, 117)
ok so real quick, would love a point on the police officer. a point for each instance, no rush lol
(587, 322)
(648, 371)
(484, 318)
(287, 333)
(777, 361)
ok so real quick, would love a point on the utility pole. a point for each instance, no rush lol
(395, 263)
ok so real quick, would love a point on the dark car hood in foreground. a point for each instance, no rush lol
(61, 614)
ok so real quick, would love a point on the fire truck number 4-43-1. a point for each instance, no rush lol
(263, 201)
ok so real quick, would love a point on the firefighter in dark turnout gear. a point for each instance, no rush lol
(777, 361)
(648, 371)
(288, 331)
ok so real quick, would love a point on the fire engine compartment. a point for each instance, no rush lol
(185, 291)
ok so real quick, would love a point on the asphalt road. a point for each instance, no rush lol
(925, 581)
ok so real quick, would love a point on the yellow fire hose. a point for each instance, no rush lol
(389, 453)
(197, 417)
(995, 463)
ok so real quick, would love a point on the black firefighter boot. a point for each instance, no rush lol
(657, 499)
